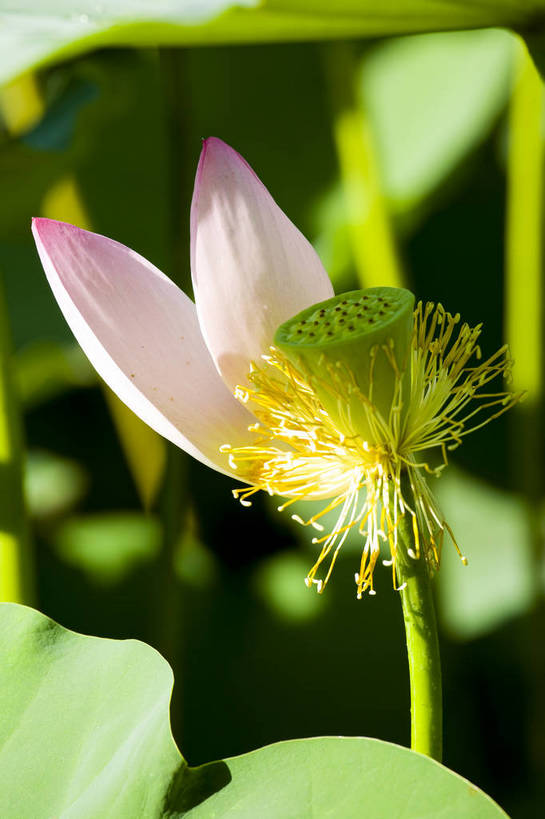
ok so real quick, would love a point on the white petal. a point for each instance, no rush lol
(141, 334)
(252, 268)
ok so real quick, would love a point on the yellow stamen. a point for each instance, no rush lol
(301, 454)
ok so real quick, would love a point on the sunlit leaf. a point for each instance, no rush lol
(430, 100)
(85, 733)
(493, 531)
(333, 776)
(85, 729)
(35, 32)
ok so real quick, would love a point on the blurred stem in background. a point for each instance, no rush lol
(524, 271)
(16, 564)
(22, 104)
(21, 109)
(372, 240)
(414, 585)
(524, 333)
(173, 504)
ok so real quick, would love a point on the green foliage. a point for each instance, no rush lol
(39, 32)
(339, 776)
(493, 529)
(430, 100)
(85, 733)
(258, 657)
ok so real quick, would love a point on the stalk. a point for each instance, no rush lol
(524, 333)
(22, 107)
(422, 643)
(524, 280)
(173, 503)
(16, 577)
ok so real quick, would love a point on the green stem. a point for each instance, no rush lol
(15, 550)
(422, 644)
(21, 107)
(524, 290)
(173, 501)
(524, 283)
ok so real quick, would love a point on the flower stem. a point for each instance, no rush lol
(21, 108)
(422, 643)
(16, 576)
(524, 331)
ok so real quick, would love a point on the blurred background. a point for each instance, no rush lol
(413, 160)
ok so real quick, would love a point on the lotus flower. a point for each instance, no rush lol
(220, 380)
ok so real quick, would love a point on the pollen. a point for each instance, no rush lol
(370, 467)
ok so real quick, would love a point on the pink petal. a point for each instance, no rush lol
(252, 269)
(142, 335)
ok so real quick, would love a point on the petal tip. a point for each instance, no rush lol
(218, 152)
(215, 143)
(41, 226)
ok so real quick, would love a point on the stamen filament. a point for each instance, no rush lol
(300, 452)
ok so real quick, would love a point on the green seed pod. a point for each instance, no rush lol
(354, 348)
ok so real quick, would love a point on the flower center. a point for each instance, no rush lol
(353, 348)
(347, 418)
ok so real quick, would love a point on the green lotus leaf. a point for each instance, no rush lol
(36, 32)
(85, 733)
